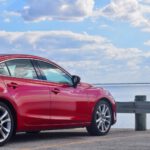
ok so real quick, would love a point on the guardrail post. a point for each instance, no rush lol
(140, 118)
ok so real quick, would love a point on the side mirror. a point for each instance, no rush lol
(75, 80)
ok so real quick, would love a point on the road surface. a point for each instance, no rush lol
(78, 139)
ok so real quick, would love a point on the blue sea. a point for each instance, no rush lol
(127, 93)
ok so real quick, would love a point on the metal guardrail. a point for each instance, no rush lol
(140, 107)
(133, 107)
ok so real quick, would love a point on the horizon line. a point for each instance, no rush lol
(121, 83)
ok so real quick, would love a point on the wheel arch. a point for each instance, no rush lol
(12, 108)
(110, 104)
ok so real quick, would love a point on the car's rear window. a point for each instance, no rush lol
(21, 68)
(3, 69)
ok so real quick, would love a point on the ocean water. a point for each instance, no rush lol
(127, 93)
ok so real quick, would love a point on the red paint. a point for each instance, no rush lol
(41, 105)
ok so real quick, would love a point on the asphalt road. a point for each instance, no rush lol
(78, 139)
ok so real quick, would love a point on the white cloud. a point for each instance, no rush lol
(145, 1)
(133, 11)
(83, 54)
(75, 10)
(9, 15)
(136, 12)
(3, 1)
(147, 43)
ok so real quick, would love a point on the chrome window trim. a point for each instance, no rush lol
(4, 61)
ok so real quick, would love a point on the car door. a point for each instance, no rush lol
(68, 104)
(29, 93)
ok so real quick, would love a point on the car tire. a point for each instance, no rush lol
(7, 124)
(101, 120)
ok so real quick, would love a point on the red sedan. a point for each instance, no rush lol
(37, 94)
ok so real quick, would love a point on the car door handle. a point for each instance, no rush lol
(55, 91)
(12, 85)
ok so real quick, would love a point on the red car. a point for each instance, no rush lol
(37, 94)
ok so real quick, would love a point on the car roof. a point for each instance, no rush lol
(4, 57)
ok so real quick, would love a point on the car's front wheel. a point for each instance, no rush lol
(102, 119)
(6, 124)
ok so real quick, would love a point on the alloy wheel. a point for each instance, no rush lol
(103, 118)
(5, 124)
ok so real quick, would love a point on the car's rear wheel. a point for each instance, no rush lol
(6, 124)
(102, 119)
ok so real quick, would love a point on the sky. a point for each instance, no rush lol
(102, 41)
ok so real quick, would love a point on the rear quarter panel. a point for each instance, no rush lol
(6, 97)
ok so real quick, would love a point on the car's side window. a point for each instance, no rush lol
(54, 74)
(3, 69)
(21, 68)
